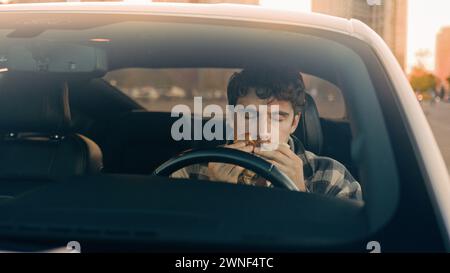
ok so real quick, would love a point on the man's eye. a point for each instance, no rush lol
(276, 117)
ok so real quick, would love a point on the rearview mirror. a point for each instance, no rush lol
(53, 58)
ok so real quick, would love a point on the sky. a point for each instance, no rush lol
(425, 19)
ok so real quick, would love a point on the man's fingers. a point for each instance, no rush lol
(224, 172)
(286, 150)
(238, 144)
(236, 171)
(273, 155)
(248, 149)
(222, 167)
(241, 145)
(279, 166)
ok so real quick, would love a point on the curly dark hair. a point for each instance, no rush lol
(280, 83)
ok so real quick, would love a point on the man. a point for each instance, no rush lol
(311, 173)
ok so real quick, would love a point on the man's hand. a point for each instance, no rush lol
(287, 162)
(228, 172)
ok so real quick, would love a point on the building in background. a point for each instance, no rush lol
(443, 55)
(388, 19)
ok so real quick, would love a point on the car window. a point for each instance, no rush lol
(158, 90)
(139, 53)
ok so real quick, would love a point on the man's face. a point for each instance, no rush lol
(284, 116)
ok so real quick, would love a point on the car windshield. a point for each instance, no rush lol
(125, 75)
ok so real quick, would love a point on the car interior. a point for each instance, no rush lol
(119, 139)
(130, 145)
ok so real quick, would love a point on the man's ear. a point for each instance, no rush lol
(295, 122)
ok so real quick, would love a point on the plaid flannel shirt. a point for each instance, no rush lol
(322, 175)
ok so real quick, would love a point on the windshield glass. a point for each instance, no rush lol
(129, 80)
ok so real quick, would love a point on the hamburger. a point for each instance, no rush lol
(248, 177)
(256, 143)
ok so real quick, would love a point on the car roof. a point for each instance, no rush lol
(230, 12)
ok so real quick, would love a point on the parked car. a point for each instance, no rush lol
(89, 177)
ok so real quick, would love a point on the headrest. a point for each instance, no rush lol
(309, 130)
(30, 104)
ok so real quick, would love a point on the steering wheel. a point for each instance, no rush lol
(231, 156)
